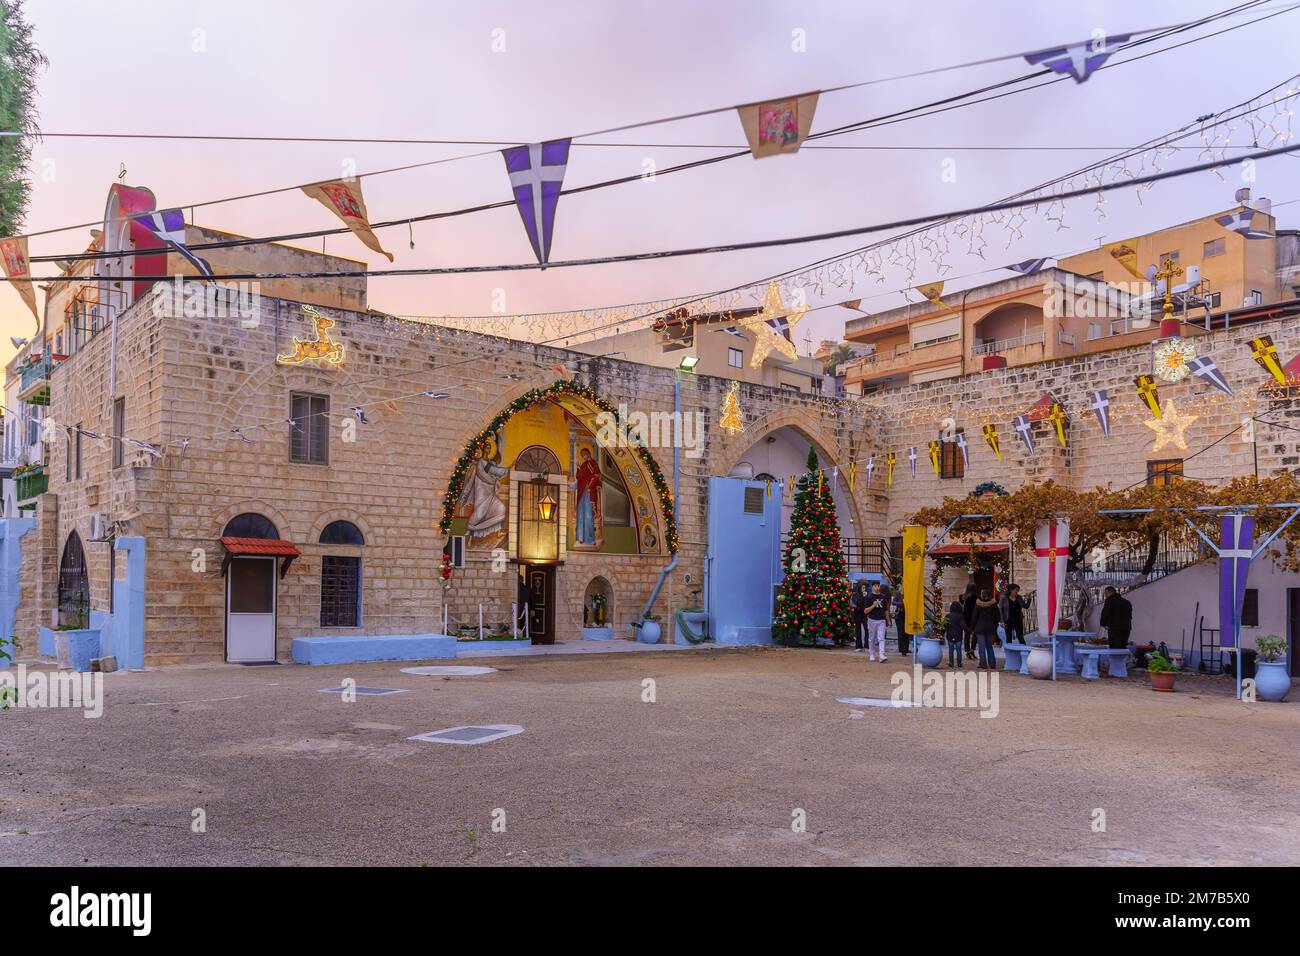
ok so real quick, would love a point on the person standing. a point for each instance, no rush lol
(900, 618)
(1117, 619)
(860, 602)
(877, 622)
(968, 615)
(984, 622)
(955, 632)
(1013, 608)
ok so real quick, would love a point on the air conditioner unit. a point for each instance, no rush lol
(99, 527)
(458, 551)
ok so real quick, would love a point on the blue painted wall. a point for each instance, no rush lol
(11, 559)
(122, 632)
(744, 555)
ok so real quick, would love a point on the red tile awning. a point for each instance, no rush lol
(261, 547)
(966, 548)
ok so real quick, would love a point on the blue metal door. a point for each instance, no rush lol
(744, 559)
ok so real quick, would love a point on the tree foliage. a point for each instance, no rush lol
(20, 61)
(1016, 516)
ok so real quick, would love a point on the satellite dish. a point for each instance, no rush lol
(1151, 273)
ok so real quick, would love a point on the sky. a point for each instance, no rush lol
(420, 69)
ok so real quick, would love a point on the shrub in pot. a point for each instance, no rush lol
(1162, 672)
(1272, 682)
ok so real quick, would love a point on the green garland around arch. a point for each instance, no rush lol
(527, 400)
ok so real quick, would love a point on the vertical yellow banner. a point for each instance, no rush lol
(914, 578)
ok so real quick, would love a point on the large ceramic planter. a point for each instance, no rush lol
(1272, 682)
(1163, 681)
(1039, 663)
(929, 652)
(648, 632)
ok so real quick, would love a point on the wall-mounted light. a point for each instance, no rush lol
(688, 363)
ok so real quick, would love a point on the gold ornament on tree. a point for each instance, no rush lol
(732, 420)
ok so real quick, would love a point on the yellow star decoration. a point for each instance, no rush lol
(1169, 428)
(767, 338)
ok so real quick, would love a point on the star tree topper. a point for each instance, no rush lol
(763, 327)
(1169, 428)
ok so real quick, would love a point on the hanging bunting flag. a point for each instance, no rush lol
(854, 304)
(934, 457)
(820, 475)
(777, 126)
(911, 459)
(965, 451)
(871, 469)
(536, 178)
(1028, 267)
(1264, 352)
(991, 436)
(1149, 394)
(13, 254)
(1026, 432)
(1052, 556)
(1040, 409)
(792, 484)
(1242, 223)
(344, 199)
(853, 473)
(1203, 367)
(889, 473)
(913, 559)
(769, 490)
(932, 293)
(169, 226)
(835, 474)
(1235, 550)
(1059, 421)
(1125, 253)
(1101, 407)
(1079, 60)
(359, 414)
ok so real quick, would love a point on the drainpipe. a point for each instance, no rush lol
(677, 452)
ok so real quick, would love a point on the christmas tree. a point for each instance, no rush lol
(732, 419)
(814, 600)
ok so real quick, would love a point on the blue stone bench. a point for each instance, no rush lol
(1116, 661)
(1017, 656)
(360, 649)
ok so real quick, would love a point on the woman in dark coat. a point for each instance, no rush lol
(984, 622)
(968, 611)
(955, 632)
(860, 601)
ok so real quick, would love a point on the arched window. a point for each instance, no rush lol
(340, 577)
(539, 460)
(74, 587)
(250, 525)
(341, 532)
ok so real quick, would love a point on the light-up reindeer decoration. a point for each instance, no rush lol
(321, 348)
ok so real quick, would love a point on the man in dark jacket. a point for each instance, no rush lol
(1013, 608)
(1117, 619)
(968, 613)
(955, 633)
(860, 603)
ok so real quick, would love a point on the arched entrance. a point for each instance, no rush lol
(253, 552)
(74, 585)
(783, 452)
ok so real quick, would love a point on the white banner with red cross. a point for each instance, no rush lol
(1052, 554)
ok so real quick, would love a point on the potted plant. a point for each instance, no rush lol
(929, 646)
(1272, 682)
(1162, 672)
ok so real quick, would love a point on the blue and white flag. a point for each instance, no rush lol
(1079, 60)
(1026, 432)
(1101, 406)
(359, 414)
(169, 226)
(536, 178)
(911, 459)
(1029, 266)
(1203, 367)
(1242, 223)
(965, 451)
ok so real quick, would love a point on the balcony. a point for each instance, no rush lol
(1034, 337)
(31, 484)
(34, 387)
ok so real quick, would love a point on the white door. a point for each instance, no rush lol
(250, 609)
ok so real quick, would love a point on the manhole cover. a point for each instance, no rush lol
(449, 670)
(469, 734)
(874, 702)
(365, 691)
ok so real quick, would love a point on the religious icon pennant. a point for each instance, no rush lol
(1264, 352)
(1149, 394)
(991, 436)
(777, 126)
(343, 198)
(13, 255)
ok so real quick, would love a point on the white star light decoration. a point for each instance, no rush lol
(1172, 356)
(1170, 427)
(767, 338)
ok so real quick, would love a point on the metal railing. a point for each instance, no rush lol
(1005, 345)
(865, 555)
(36, 372)
(1064, 338)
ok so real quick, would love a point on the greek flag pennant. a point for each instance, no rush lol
(536, 178)
(1203, 367)
(1242, 223)
(169, 226)
(965, 451)
(911, 459)
(1101, 408)
(1026, 432)
(1078, 60)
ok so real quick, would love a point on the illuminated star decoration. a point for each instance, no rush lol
(1101, 406)
(991, 436)
(1148, 392)
(1172, 357)
(765, 325)
(934, 456)
(1079, 60)
(1203, 367)
(1264, 353)
(1169, 428)
(1026, 432)
(1058, 420)
(911, 459)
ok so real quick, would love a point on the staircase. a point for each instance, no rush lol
(1123, 571)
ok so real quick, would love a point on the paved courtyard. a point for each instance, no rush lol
(712, 772)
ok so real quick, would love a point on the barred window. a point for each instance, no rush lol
(340, 591)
